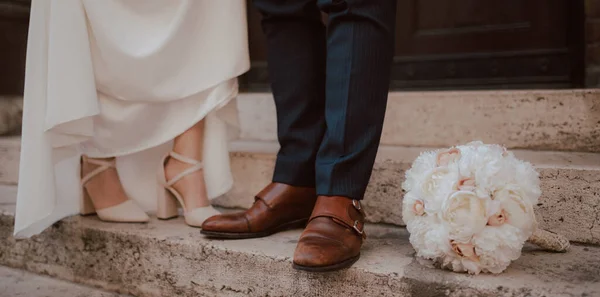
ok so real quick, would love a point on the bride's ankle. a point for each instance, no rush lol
(191, 187)
(174, 167)
(87, 163)
(103, 187)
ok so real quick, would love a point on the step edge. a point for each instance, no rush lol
(406, 154)
(459, 93)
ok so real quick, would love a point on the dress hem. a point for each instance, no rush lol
(219, 104)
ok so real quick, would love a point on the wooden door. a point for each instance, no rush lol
(484, 44)
(14, 19)
(471, 44)
(257, 79)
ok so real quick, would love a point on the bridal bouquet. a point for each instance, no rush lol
(470, 208)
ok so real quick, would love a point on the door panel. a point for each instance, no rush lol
(14, 18)
(482, 44)
(471, 44)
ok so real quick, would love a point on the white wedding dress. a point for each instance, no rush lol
(123, 78)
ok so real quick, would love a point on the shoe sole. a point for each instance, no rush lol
(338, 266)
(89, 215)
(298, 224)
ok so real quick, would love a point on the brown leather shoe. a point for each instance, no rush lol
(333, 236)
(276, 208)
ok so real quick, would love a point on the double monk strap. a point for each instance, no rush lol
(333, 236)
(276, 208)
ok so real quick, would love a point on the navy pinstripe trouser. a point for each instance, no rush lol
(330, 85)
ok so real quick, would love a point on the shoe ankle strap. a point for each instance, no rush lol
(99, 162)
(342, 210)
(102, 166)
(277, 193)
(184, 159)
(196, 165)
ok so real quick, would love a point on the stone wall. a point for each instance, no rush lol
(592, 43)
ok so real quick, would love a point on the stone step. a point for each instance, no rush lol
(19, 283)
(570, 203)
(10, 149)
(563, 120)
(168, 258)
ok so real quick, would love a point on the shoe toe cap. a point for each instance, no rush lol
(320, 252)
(226, 223)
(126, 212)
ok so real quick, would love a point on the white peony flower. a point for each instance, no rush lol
(423, 164)
(432, 182)
(436, 185)
(428, 237)
(527, 180)
(497, 247)
(518, 210)
(465, 215)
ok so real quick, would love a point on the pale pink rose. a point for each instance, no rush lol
(419, 208)
(446, 157)
(465, 250)
(497, 219)
(466, 184)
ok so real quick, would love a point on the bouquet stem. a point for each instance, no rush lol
(550, 241)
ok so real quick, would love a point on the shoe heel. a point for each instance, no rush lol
(86, 207)
(166, 207)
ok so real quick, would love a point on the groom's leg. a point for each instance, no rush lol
(296, 60)
(296, 56)
(359, 56)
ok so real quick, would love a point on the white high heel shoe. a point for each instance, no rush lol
(168, 196)
(126, 212)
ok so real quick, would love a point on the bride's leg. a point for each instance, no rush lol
(105, 188)
(192, 187)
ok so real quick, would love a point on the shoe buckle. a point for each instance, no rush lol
(356, 205)
(356, 223)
